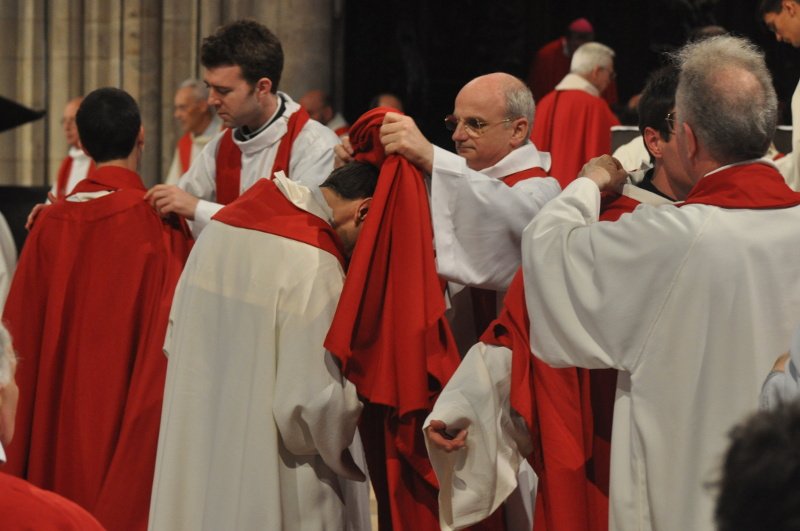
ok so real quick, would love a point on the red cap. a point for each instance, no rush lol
(581, 25)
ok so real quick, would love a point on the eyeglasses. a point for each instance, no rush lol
(670, 119)
(474, 127)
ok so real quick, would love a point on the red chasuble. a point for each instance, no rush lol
(25, 507)
(573, 126)
(62, 179)
(264, 208)
(229, 158)
(568, 413)
(87, 311)
(391, 336)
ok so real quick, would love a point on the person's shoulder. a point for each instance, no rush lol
(316, 133)
(29, 507)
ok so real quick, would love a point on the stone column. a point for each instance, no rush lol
(64, 75)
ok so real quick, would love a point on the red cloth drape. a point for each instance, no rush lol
(390, 333)
(185, 151)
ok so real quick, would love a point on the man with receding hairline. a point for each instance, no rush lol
(199, 123)
(573, 122)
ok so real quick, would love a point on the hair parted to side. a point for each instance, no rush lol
(726, 95)
(199, 89)
(108, 123)
(354, 180)
(590, 56)
(760, 484)
(658, 99)
(8, 358)
(519, 102)
(248, 45)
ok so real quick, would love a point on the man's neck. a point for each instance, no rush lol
(268, 108)
(130, 163)
(661, 182)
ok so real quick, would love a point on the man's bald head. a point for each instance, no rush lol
(504, 106)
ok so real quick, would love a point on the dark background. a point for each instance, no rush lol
(425, 50)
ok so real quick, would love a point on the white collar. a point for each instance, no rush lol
(77, 153)
(742, 163)
(576, 82)
(2, 454)
(524, 157)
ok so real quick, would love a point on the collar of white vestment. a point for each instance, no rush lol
(524, 157)
(272, 132)
(576, 82)
(2, 454)
(76, 153)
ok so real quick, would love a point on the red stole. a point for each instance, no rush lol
(185, 151)
(264, 208)
(391, 335)
(752, 186)
(229, 158)
(110, 178)
(341, 130)
(568, 413)
(62, 179)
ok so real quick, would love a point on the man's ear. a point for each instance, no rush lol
(520, 133)
(790, 6)
(140, 136)
(691, 141)
(362, 210)
(264, 86)
(652, 141)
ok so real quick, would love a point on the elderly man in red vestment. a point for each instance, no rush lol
(23, 506)
(88, 311)
(573, 122)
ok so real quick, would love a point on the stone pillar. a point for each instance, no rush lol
(305, 29)
(141, 76)
(9, 24)
(64, 74)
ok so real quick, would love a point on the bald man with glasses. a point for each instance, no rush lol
(482, 196)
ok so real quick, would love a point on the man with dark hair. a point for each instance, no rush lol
(88, 311)
(268, 132)
(760, 484)
(782, 17)
(690, 302)
(257, 417)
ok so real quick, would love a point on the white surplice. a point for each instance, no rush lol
(310, 163)
(478, 220)
(256, 418)
(692, 304)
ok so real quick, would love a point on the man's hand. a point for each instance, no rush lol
(436, 433)
(167, 199)
(606, 172)
(343, 153)
(401, 136)
(37, 209)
